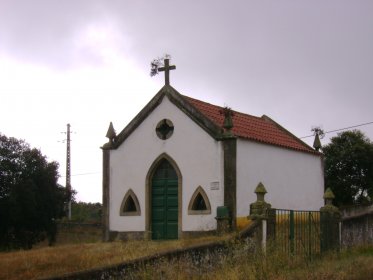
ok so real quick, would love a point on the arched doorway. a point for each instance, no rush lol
(164, 201)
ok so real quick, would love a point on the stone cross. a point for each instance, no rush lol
(167, 67)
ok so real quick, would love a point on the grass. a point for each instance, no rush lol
(240, 262)
(52, 261)
(352, 264)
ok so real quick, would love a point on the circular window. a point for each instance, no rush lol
(164, 129)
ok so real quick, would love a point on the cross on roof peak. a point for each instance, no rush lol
(166, 68)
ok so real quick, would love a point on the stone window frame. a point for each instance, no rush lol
(169, 133)
(129, 194)
(202, 192)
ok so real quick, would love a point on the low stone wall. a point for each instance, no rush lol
(69, 232)
(77, 225)
(125, 269)
(357, 226)
(142, 235)
(208, 254)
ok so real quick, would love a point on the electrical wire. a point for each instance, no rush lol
(83, 174)
(340, 129)
(330, 131)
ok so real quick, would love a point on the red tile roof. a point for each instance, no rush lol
(254, 128)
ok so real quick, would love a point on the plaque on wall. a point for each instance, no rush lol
(214, 185)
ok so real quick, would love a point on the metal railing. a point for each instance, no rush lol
(294, 231)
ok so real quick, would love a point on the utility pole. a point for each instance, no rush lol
(68, 170)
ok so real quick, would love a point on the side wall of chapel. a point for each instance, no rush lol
(294, 180)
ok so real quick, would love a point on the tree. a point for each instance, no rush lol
(349, 167)
(84, 212)
(30, 198)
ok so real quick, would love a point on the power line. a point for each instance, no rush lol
(83, 174)
(340, 129)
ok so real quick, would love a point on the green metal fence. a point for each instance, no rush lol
(295, 232)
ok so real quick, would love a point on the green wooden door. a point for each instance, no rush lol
(164, 201)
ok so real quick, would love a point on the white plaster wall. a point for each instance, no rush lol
(294, 180)
(198, 156)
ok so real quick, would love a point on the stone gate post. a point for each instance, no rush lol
(330, 219)
(259, 211)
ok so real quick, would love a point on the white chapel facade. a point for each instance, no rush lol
(166, 173)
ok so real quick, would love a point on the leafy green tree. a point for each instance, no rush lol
(349, 167)
(84, 212)
(30, 198)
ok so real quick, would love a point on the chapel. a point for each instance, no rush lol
(169, 170)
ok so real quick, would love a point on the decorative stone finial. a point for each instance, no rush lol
(258, 209)
(329, 207)
(228, 122)
(317, 142)
(329, 196)
(111, 133)
(260, 188)
(260, 192)
(318, 132)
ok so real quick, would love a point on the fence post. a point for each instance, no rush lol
(264, 235)
(309, 235)
(291, 232)
(259, 211)
(330, 218)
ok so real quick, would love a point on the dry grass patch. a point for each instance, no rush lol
(52, 261)
(352, 264)
(355, 264)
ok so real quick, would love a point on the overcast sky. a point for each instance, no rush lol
(87, 62)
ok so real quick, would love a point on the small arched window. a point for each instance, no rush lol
(130, 205)
(199, 203)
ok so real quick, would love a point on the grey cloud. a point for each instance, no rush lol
(282, 58)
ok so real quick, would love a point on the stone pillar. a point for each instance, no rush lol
(106, 182)
(330, 219)
(105, 195)
(259, 211)
(230, 156)
(223, 220)
(230, 168)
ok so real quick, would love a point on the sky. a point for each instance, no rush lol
(87, 62)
